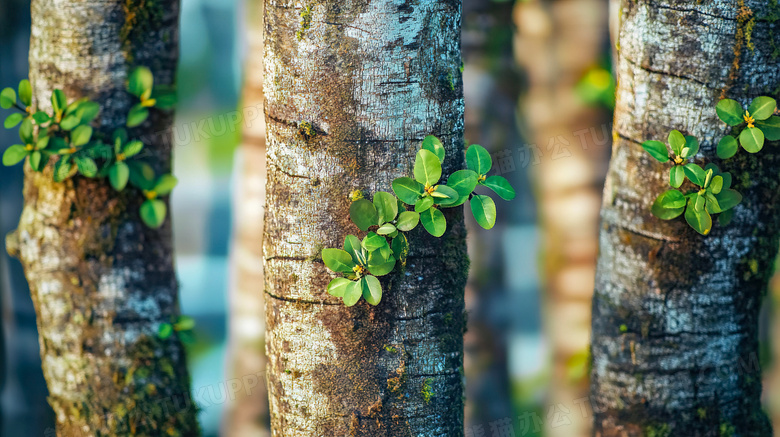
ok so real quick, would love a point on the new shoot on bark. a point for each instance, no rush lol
(418, 199)
(710, 189)
(70, 136)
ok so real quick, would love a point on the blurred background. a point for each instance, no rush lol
(539, 95)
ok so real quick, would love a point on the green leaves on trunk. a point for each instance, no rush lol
(709, 191)
(70, 136)
(387, 217)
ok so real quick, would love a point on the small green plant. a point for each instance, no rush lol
(184, 325)
(68, 137)
(709, 191)
(387, 217)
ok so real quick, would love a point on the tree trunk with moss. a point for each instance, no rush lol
(247, 415)
(675, 313)
(352, 88)
(101, 281)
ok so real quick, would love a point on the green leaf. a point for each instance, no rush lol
(69, 122)
(676, 141)
(26, 131)
(423, 204)
(726, 180)
(372, 289)
(352, 293)
(434, 222)
(478, 159)
(165, 331)
(434, 145)
(41, 117)
(7, 98)
(408, 190)
(728, 198)
(338, 260)
(691, 147)
(25, 92)
(500, 186)
(86, 166)
(717, 184)
(380, 265)
(363, 214)
(463, 181)
(712, 205)
(184, 324)
(668, 205)
(120, 135)
(752, 139)
(166, 98)
(727, 147)
(386, 207)
(698, 202)
(699, 220)
(43, 142)
(657, 150)
(165, 184)
(36, 161)
(484, 210)
(132, 148)
(400, 248)
(707, 177)
(12, 120)
(427, 168)
(407, 221)
(352, 246)
(137, 115)
(730, 111)
(762, 107)
(140, 81)
(444, 195)
(338, 287)
(694, 173)
(373, 242)
(58, 100)
(153, 213)
(118, 175)
(81, 135)
(88, 111)
(676, 176)
(725, 217)
(770, 127)
(386, 229)
(62, 169)
(141, 175)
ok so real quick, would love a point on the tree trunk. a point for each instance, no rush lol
(675, 313)
(558, 42)
(248, 416)
(101, 281)
(352, 88)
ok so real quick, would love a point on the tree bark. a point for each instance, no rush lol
(101, 281)
(373, 78)
(248, 415)
(675, 313)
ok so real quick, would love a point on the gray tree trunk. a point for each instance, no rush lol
(101, 281)
(675, 313)
(373, 77)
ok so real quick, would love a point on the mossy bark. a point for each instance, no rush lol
(101, 281)
(675, 313)
(352, 87)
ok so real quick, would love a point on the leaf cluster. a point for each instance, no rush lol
(69, 136)
(417, 199)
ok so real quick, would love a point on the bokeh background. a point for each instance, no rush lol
(539, 95)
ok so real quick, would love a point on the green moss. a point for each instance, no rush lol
(306, 131)
(657, 430)
(305, 21)
(726, 429)
(427, 390)
(390, 349)
(142, 18)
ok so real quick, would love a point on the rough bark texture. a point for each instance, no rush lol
(685, 360)
(557, 42)
(247, 415)
(373, 77)
(101, 281)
